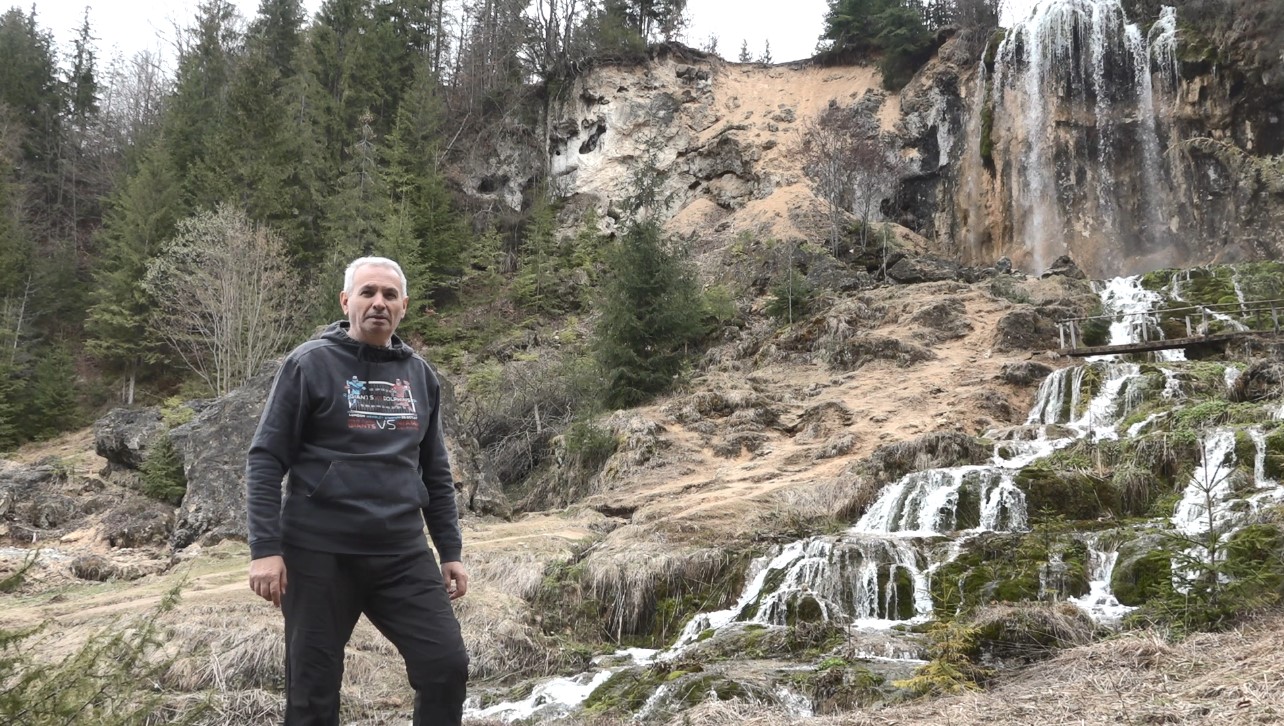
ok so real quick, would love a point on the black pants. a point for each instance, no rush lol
(404, 597)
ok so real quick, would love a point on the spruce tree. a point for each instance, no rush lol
(139, 219)
(51, 406)
(651, 313)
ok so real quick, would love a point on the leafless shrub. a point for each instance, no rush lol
(231, 298)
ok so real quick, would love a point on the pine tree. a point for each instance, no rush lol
(198, 107)
(765, 58)
(418, 185)
(51, 407)
(9, 412)
(745, 56)
(651, 313)
(361, 206)
(540, 261)
(140, 218)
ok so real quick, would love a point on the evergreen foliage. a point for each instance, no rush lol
(51, 405)
(162, 473)
(893, 30)
(109, 681)
(652, 313)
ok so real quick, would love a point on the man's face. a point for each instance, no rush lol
(376, 306)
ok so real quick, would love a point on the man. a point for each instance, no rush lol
(367, 467)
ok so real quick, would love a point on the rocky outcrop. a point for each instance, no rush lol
(910, 270)
(124, 436)
(213, 447)
(1025, 373)
(1025, 329)
(943, 449)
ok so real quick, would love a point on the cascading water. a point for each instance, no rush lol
(879, 572)
(1135, 319)
(1075, 133)
(1100, 603)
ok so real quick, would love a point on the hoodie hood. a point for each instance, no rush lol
(397, 349)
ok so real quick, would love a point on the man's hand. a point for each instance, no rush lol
(267, 578)
(456, 579)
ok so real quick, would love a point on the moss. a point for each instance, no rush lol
(1006, 567)
(1070, 494)
(1095, 331)
(1137, 580)
(1275, 454)
(987, 133)
(624, 692)
(837, 686)
(968, 509)
(1253, 557)
(804, 609)
(1220, 412)
(1157, 280)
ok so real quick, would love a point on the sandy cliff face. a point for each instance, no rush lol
(1131, 153)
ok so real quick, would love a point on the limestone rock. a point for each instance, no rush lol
(213, 447)
(1261, 380)
(124, 436)
(910, 270)
(1025, 329)
(1024, 373)
(1065, 267)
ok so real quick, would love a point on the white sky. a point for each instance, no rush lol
(128, 26)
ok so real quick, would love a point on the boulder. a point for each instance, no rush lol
(1025, 329)
(1065, 267)
(1262, 380)
(213, 447)
(1024, 373)
(32, 502)
(124, 436)
(910, 270)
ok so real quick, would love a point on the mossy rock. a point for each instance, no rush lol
(804, 608)
(625, 691)
(1255, 559)
(1142, 572)
(1095, 331)
(1072, 495)
(1007, 568)
(837, 686)
(1275, 455)
(1030, 632)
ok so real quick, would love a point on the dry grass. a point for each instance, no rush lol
(626, 575)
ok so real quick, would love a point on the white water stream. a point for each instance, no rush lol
(1075, 114)
(878, 573)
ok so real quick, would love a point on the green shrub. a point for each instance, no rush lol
(111, 680)
(590, 446)
(791, 298)
(162, 473)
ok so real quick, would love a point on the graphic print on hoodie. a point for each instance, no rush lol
(381, 405)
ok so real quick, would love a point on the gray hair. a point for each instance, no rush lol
(350, 273)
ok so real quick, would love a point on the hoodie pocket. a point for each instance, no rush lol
(370, 485)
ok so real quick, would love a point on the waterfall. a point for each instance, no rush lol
(1203, 503)
(1075, 131)
(1100, 603)
(1135, 318)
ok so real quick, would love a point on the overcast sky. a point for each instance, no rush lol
(128, 26)
(792, 26)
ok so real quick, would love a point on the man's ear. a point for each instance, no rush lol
(343, 301)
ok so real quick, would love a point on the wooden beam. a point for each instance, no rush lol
(1166, 344)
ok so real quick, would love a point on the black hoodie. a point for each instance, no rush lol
(358, 430)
